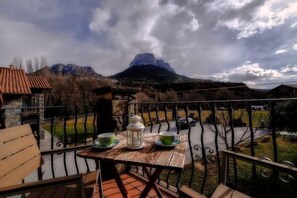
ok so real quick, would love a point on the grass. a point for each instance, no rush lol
(287, 150)
(58, 128)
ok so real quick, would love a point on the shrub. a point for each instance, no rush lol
(285, 114)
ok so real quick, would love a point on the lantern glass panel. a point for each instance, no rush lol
(135, 139)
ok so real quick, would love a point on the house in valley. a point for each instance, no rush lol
(284, 91)
(21, 97)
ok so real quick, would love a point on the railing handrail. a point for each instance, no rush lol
(216, 101)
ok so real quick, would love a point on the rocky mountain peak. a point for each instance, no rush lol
(149, 59)
(72, 69)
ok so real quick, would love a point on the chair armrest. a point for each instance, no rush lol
(44, 184)
(185, 191)
(261, 162)
(64, 150)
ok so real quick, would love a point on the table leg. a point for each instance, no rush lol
(151, 183)
(99, 180)
(119, 180)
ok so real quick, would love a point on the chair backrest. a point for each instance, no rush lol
(19, 154)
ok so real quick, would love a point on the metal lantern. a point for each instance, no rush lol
(135, 131)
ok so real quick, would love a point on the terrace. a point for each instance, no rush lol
(220, 125)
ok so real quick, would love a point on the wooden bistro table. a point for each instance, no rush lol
(150, 156)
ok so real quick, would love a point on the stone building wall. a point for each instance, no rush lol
(12, 114)
(13, 105)
(41, 114)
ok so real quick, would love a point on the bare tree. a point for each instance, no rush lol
(29, 66)
(36, 64)
(17, 62)
(223, 125)
(43, 62)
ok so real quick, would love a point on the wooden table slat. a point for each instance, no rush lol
(178, 159)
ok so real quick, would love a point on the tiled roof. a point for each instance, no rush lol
(14, 81)
(38, 82)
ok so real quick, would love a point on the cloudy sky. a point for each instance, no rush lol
(252, 41)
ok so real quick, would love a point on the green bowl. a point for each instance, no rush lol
(106, 139)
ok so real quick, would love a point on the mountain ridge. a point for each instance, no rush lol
(73, 69)
(149, 73)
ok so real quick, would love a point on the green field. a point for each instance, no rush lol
(58, 128)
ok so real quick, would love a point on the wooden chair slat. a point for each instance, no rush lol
(15, 132)
(72, 192)
(48, 193)
(37, 194)
(188, 192)
(19, 159)
(21, 172)
(62, 191)
(12, 147)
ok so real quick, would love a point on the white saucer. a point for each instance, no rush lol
(97, 145)
(159, 143)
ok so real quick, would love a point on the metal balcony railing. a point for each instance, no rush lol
(212, 126)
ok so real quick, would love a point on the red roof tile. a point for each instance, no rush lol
(14, 81)
(38, 82)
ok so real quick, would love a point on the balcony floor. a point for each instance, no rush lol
(133, 184)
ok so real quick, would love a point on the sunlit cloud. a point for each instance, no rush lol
(281, 51)
(255, 75)
(266, 15)
(294, 25)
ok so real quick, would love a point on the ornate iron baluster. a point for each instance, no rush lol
(52, 142)
(94, 124)
(157, 116)
(150, 119)
(275, 155)
(230, 113)
(85, 133)
(190, 145)
(202, 148)
(75, 138)
(249, 110)
(213, 111)
(175, 115)
(141, 112)
(65, 140)
(85, 125)
(166, 117)
(75, 127)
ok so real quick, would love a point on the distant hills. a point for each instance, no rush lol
(152, 74)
